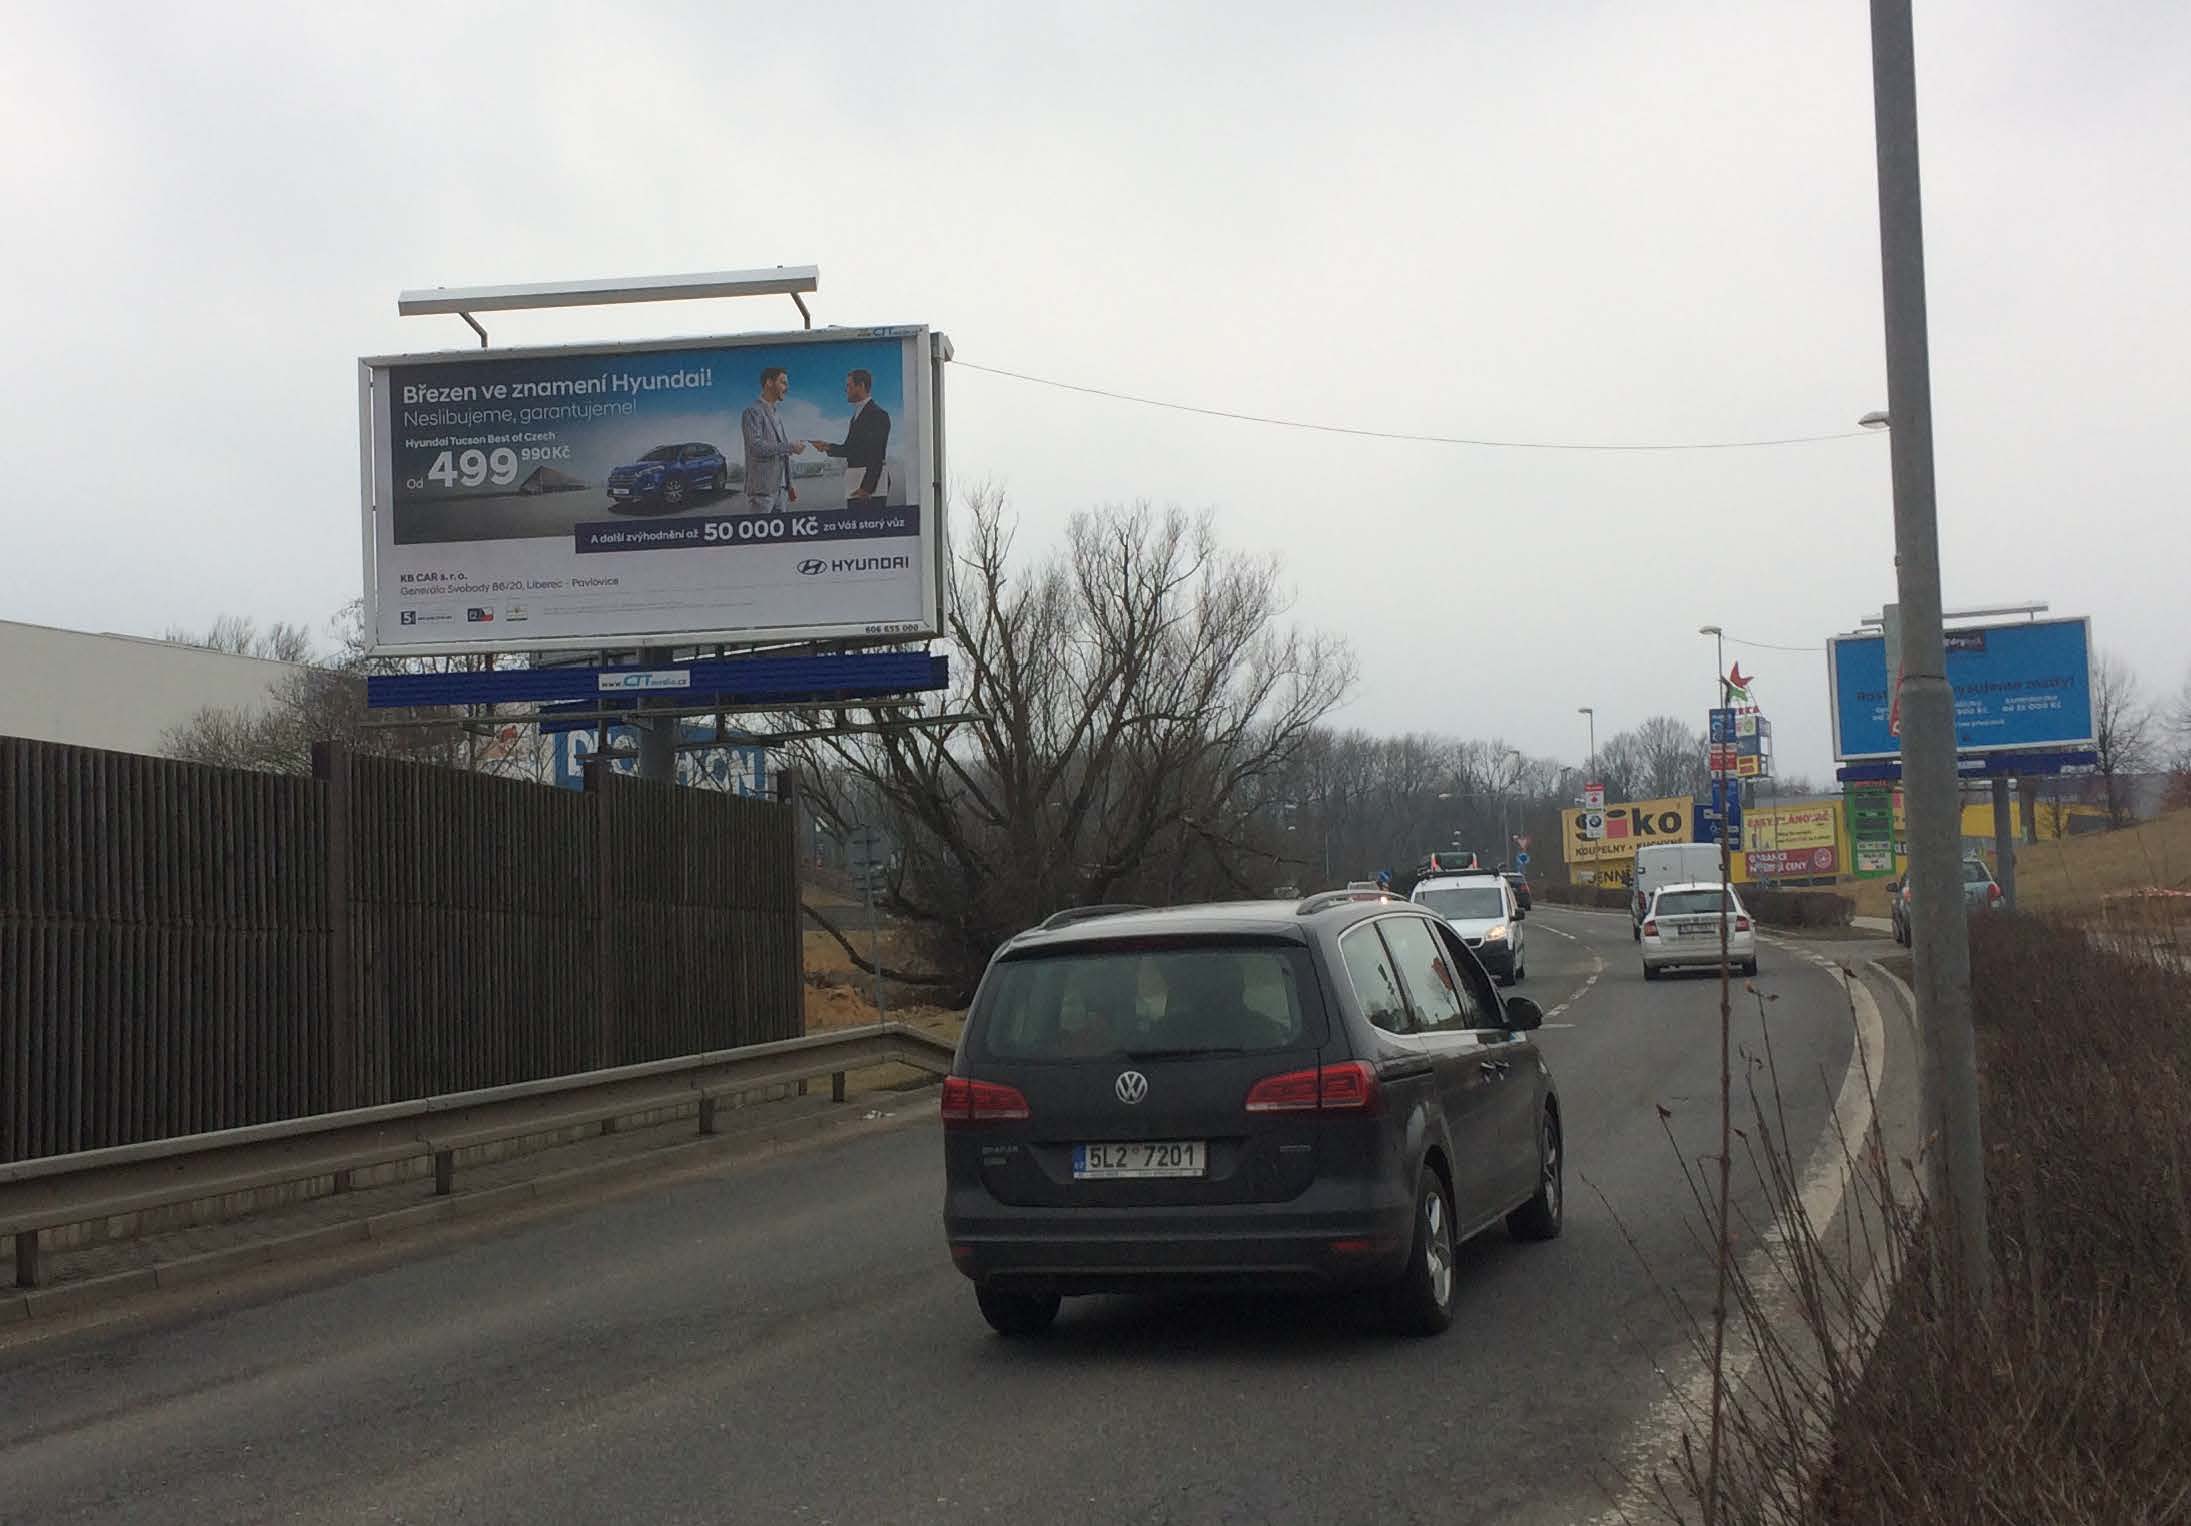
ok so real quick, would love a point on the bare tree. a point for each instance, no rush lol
(1672, 759)
(2179, 750)
(240, 635)
(320, 701)
(1137, 701)
(2123, 734)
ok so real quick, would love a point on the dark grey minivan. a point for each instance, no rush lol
(1268, 1095)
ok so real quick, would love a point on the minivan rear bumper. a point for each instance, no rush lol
(1322, 1239)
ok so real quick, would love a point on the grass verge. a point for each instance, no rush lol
(1865, 1394)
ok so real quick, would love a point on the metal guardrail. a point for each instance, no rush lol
(58, 1190)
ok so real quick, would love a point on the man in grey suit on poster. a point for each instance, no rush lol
(768, 449)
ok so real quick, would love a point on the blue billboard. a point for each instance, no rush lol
(2021, 685)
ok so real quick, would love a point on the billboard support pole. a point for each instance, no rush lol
(658, 734)
(2004, 840)
(1940, 939)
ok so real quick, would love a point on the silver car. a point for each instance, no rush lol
(1680, 930)
(1981, 892)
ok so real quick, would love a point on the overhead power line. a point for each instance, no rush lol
(1422, 439)
(1771, 646)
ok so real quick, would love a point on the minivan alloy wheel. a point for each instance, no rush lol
(1438, 1247)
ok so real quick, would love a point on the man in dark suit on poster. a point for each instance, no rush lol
(866, 442)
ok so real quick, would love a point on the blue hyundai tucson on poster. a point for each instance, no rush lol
(671, 475)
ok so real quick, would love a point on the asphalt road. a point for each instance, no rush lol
(785, 1340)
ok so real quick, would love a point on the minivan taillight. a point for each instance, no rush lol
(1294, 1092)
(1650, 928)
(1742, 924)
(966, 1101)
(1348, 1087)
(1993, 892)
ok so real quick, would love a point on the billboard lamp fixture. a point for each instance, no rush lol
(464, 301)
(2033, 609)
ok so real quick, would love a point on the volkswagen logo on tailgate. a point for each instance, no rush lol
(1132, 1086)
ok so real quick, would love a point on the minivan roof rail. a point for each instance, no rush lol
(1324, 900)
(1072, 914)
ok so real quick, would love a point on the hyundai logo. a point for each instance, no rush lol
(1131, 1087)
(813, 566)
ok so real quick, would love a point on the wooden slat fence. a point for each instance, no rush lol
(185, 948)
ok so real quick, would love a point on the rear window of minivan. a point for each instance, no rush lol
(1145, 1002)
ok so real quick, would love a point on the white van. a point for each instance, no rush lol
(1669, 863)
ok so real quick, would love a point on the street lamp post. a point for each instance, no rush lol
(1939, 938)
(1506, 794)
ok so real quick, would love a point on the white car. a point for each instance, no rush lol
(1483, 909)
(1681, 931)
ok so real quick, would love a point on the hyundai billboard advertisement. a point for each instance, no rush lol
(760, 488)
(2023, 685)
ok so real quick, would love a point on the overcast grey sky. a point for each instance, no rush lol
(1557, 221)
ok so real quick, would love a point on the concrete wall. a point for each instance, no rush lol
(121, 693)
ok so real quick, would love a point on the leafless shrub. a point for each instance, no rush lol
(1863, 1390)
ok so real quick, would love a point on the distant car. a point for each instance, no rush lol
(1520, 881)
(1682, 929)
(1325, 1095)
(1981, 892)
(671, 475)
(1484, 910)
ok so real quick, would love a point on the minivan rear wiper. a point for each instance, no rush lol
(1185, 1051)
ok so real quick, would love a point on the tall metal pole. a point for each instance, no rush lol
(1939, 937)
(658, 734)
(1723, 785)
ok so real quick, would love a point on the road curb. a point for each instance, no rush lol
(766, 1140)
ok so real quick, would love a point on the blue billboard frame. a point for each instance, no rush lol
(2021, 686)
(706, 684)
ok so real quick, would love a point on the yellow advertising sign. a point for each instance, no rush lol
(1599, 837)
(1791, 828)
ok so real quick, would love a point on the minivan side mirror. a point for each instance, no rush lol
(1520, 915)
(1522, 1014)
(1894, 887)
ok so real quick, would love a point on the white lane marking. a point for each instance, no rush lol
(1598, 966)
(1555, 1025)
(1652, 1445)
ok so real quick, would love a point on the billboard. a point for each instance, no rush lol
(2021, 685)
(1614, 833)
(759, 488)
(733, 768)
(1741, 743)
(1803, 828)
